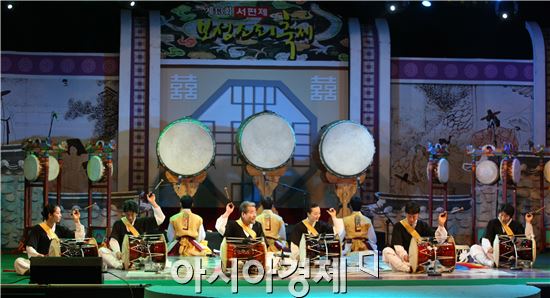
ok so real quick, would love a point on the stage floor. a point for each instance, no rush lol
(462, 282)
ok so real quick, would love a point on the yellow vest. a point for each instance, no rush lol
(271, 225)
(186, 224)
(357, 227)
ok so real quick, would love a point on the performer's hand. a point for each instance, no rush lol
(118, 255)
(229, 208)
(406, 258)
(332, 212)
(75, 214)
(490, 251)
(528, 218)
(442, 218)
(152, 199)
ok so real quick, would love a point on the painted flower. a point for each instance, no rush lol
(188, 42)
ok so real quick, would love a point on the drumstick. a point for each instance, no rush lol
(227, 194)
(90, 206)
(535, 211)
(158, 184)
(457, 210)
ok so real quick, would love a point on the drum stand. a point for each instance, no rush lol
(107, 185)
(542, 188)
(433, 185)
(508, 185)
(44, 184)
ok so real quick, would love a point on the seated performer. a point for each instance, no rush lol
(313, 226)
(403, 231)
(130, 225)
(245, 227)
(40, 236)
(359, 232)
(187, 229)
(503, 225)
(272, 224)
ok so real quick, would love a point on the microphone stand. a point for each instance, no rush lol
(305, 193)
(388, 223)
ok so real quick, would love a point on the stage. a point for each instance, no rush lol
(462, 282)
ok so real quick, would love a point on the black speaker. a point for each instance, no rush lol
(59, 270)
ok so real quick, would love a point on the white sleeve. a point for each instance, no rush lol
(529, 231)
(202, 234)
(338, 228)
(282, 232)
(486, 245)
(79, 232)
(114, 245)
(31, 252)
(400, 251)
(441, 234)
(221, 222)
(170, 232)
(159, 216)
(371, 235)
(294, 251)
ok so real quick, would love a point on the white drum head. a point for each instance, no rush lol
(496, 250)
(55, 248)
(441, 170)
(547, 171)
(266, 140)
(513, 172)
(346, 148)
(95, 168)
(413, 254)
(487, 172)
(186, 147)
(31, 167)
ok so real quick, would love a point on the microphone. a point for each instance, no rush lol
(263, 174)
(358, 183)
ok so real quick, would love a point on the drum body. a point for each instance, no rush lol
(511, 251)
(95, 169)
(440, 170)
(346, 148)
(487, 172)
(32, 168)
(265, 141)
(138, 251)
(186, 147)
(512, 170)
(242, 250)
(315, 248)
(547, 171)
(423, 252)
(86, 247)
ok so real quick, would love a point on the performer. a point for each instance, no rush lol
(130, 225)
(313, 226)
(403, 231)
(187, 229)
(41, 235)
(272, 224)
(502, 225)
(245, 227)
(359, 232)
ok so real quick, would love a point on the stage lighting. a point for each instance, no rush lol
(426, 3)
(392, 6)
(506, 10)
(132, 3)
(9, 6)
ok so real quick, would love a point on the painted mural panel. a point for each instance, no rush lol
(454, 114)
(78, 110)
(260, 30)
(306, 98)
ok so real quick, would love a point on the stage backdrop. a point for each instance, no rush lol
(80, 93)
